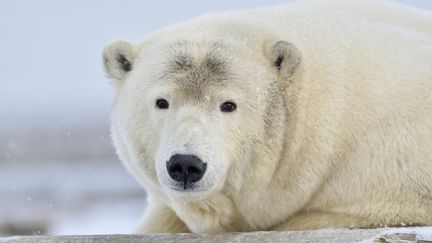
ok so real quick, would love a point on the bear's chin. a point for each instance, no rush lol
(188, 195)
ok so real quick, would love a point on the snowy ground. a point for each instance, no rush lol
(77, 197)
(410, 235)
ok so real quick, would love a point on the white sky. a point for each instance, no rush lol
(50, 65)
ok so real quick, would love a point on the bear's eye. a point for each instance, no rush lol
(228, 106)
(162, 104)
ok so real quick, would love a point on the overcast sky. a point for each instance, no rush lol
(50, 65)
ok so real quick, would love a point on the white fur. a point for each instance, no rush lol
(351, 141)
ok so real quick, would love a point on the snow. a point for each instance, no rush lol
(409, 234)
(324, 236)
(112, 217)
(423, 233)
(68, 197)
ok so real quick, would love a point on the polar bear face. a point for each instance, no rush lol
(194, 117)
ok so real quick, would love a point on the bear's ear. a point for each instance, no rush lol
(284, 56)
(119, 59)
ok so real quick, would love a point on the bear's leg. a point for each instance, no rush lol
(160, 219)
(319, 220)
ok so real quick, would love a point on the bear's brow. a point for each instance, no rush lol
(214, 64)
(211, 67)
(211, 62)
(181, 62)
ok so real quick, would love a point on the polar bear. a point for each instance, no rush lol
(307, 115)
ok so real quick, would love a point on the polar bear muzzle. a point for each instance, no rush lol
(186, 169)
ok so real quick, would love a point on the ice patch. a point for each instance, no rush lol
(409, 234)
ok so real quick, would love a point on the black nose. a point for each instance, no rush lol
(186, 168)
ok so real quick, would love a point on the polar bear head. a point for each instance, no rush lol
(195, 116)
